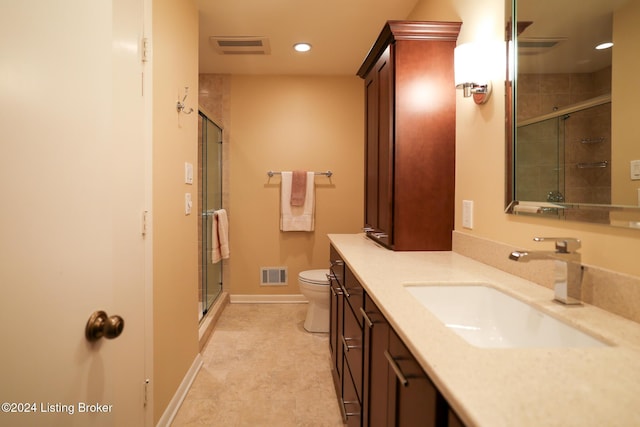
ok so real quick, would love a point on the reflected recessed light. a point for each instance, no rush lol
(302, 47)
(602, 46)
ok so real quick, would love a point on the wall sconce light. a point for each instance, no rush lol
(471, 71)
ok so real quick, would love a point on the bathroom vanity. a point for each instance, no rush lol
(396, 363)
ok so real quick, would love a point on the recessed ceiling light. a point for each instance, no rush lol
(302, 47)
(602, 46)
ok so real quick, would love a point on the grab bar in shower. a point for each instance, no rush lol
(209, 212)
(594, 140)
(593, 165)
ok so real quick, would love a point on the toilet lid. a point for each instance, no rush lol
(317, 277)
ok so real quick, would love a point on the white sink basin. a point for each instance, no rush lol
(487, 317)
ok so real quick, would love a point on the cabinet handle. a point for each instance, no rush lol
(335, 291)
(344, 291)
(346, 346)
(366, 318)
(396, 369)
(344, 408)
(338, 291)
(336, 262)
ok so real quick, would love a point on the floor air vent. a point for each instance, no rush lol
(273, 276)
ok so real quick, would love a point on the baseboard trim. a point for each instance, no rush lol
(268, 299)
(174, 405)
(208, 323)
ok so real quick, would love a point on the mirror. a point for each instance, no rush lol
(573, 130)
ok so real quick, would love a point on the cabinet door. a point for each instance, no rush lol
(414, 400)
(351, 407)
(335, 331)
(376, 367)
(379, 148)
(352, 346)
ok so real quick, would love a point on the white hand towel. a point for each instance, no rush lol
(296, 218)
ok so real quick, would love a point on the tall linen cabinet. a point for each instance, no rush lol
(410, 135)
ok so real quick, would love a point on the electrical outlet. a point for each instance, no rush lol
(188, 204)
(467, 214)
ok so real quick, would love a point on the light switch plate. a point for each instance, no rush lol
(467, 214)
(188, 173)
(635, 170)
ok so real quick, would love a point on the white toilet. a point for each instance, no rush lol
(314, 285)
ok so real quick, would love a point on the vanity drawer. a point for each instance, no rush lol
(336, 266)
(352, 348)
(354, 294)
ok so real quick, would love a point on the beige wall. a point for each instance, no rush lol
(175, 318)
(625, 123)
(286, 123)
(480, 158)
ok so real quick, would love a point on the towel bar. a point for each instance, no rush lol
(327, 173)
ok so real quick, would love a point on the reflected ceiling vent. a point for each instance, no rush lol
(240, 45)
(537, 45)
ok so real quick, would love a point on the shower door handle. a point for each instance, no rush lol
(101, 325)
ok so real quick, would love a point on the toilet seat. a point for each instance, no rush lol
(314, 277)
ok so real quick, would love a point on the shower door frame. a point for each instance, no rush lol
(206, 212)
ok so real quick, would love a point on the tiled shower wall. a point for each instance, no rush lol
(540, 94)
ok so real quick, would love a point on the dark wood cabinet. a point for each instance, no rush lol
(345, 338)
(378, 381)
(352, 336)
(410, 135)
(336, 317)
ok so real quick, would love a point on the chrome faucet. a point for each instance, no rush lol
(568, 267)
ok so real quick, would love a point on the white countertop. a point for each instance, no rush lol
(514, 387)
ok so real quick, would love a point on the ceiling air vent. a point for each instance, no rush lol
(244, 45)
(536, 45)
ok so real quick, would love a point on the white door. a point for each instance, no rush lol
(72, 194)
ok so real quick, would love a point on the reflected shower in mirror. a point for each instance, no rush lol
(573, 130)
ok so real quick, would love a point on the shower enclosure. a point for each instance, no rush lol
(210, 200)
(565, 156)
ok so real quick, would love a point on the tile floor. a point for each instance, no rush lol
(261, 368)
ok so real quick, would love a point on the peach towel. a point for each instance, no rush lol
(219, 236)
(298, 188)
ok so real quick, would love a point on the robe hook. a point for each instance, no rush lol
(181, 106)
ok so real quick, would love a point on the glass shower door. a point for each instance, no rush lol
(210, 201)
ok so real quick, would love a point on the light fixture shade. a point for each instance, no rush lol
(470, 64)
(462, 64)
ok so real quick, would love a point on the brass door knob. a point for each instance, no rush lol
(101, 325)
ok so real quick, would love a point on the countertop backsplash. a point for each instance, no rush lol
(614, 292)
